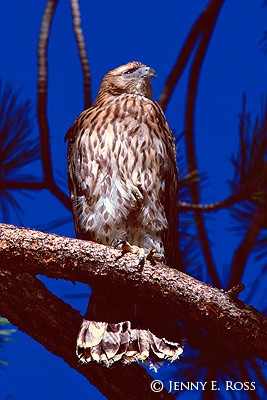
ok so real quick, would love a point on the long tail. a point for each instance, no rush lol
(110, 342)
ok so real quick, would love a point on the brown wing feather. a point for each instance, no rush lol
(113, 152)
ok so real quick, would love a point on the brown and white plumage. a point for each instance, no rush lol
(123, 182)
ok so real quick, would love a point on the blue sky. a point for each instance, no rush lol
(117, 32)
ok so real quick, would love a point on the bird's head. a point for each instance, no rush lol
(132, 78)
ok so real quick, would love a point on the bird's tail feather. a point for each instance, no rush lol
(110, 342)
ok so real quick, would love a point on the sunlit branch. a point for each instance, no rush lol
(26, 250)
(190, 134)
(77, 27)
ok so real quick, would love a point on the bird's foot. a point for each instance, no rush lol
(136, 191)
(126, 247)
(153, 256)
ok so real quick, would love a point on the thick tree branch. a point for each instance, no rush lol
(27, 303)
(25, 250)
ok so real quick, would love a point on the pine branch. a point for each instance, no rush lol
(77, 28)
(251, 174)
(258, 372)
(245, 248)
(24, 250)
(18, 149)
(246, 376)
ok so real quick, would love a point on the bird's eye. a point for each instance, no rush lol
(129, 71)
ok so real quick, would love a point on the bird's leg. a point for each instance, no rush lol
(136, 201)
(126, 247)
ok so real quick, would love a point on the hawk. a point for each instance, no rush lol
(123, 183)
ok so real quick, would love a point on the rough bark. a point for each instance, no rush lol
(26, 250)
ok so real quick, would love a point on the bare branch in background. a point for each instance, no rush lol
(42, 89)
(215, 7)
(42, 104)
(20, 185)
(190, 43)
(77, 27)
(226, 203)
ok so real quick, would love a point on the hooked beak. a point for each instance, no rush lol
(147, 72)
